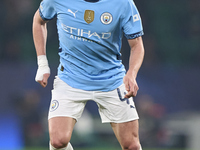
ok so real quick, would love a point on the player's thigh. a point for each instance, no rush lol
(127, 133)
(67, 101)
(60, 129)
(113, 107)
(65, 109)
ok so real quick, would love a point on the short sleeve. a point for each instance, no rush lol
(131, 21)
(47, 9)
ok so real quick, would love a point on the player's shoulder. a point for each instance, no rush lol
(124, 3)
(121, 2)
(49, 1)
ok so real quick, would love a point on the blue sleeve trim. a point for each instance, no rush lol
(135, 35)
(42, 16)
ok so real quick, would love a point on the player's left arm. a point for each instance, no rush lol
(135, 62)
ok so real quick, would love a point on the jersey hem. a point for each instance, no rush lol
(97, 87)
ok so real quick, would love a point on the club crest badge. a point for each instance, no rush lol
(106, 18)
(89, 16)
(54, 105)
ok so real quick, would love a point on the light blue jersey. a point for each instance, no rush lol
(90, 36)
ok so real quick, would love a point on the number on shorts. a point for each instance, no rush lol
(124, 99)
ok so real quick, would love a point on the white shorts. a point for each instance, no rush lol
(70, 102)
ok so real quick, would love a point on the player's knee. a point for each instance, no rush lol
(130, 145)
(134, 146)
(59, 143)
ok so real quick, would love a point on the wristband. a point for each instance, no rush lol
(43, 67)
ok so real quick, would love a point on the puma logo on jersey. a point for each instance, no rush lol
(74, 13)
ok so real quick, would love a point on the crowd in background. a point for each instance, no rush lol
(168, 80)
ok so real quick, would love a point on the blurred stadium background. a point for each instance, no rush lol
(168, 100)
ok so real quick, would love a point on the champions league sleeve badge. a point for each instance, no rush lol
(106, 18)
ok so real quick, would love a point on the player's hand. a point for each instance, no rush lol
(43, 71)
(42, 75)
(131, 86)
(44, 82)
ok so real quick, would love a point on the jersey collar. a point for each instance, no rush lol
(92, 1)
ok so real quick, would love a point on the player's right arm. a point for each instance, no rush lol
(40, 38)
